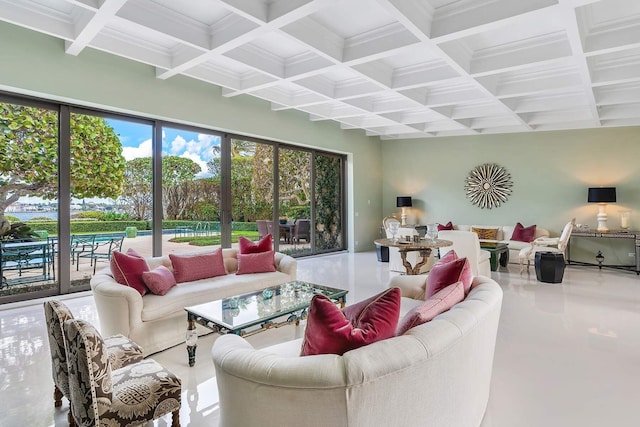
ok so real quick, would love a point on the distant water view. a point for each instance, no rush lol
(26, 216)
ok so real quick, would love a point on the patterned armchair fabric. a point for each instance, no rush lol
(128, 396)
(121, 350)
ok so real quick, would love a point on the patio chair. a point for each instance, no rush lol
(302, 230)
(81, 246)
(121, 351)
(104, 249)
(104, 396)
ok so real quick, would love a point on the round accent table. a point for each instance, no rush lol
(423, 247)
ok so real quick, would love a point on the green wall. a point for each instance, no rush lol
(35, 64)
(551, 172)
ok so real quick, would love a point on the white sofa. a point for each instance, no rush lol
(504, 236)
(438, 374)
(467, 244)
(158, 322)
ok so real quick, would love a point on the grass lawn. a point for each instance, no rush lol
(214, 240)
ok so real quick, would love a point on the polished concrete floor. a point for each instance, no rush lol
(566, 355)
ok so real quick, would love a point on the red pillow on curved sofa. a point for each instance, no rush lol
(127, 270)
(442, 301)
(159, 280)
(331, 331)
(447, 226)
(248, 247)
(523, 234)
(187, 268)
(261, 262)
(445, 274)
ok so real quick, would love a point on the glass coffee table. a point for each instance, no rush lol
(254, 312)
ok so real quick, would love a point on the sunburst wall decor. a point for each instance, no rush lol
(488, 185)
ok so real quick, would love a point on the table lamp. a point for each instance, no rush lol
(602, 196)
(403, 202)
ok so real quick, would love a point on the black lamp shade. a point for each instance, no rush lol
(403, 201)
(602, 195)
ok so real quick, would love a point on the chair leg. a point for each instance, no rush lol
(175, 418)
(72, 421)
(57, 396)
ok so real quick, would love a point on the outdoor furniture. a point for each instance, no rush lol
(81, 245)
(120, 349)
(104, 250)
(22, 257)
(104, 396)
(302, 230)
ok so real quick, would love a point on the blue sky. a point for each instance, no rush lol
(136, 142)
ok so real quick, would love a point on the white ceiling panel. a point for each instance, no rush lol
(393, 68)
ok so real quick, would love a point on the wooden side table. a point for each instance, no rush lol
(423, 247)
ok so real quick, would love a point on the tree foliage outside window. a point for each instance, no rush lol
(328, 198)
(29, 147)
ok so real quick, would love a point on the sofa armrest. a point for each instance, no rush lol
(119, 307)
(286, 264)
(411, 286)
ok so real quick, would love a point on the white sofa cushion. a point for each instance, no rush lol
(199, 291)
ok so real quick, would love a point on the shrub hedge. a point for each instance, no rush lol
(119, 226)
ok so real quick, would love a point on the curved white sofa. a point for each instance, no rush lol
(504, 236)
(158, 322)
(438, 374)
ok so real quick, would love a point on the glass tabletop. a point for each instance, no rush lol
(242, 311)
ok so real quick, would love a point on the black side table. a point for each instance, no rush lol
(383, 253)
(549, 267)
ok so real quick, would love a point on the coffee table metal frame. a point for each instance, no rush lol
(291, 299)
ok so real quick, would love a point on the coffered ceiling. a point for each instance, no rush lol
(394, 68)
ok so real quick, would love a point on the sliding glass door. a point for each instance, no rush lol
(191, 186)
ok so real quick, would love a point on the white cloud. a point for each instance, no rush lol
(143, 150)
(177, 145)
(203, 165)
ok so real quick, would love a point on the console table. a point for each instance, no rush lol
(634, 235)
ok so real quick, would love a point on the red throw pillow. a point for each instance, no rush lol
(187, 268)
(127, 270)
(132, 252)
(445, 274)
(447, 226)
(159, 280)
(523, 234)
(329, 330)
(261, 262)
(442, 301)
(448, 257)
(263, 245)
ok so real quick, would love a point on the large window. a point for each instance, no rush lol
(28, 194)
(76, 185)
(190, 190)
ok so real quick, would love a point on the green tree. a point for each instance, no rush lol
(29, 147)
(137, 195)
(178, 175)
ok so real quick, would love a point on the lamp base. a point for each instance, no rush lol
(602, 219)
(403, 217)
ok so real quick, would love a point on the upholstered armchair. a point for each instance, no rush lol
(121, 351)
(102, 396)
(546, 244)
(467, 244)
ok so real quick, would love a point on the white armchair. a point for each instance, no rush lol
(546, 244)
(395, 260)
(467, 244)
